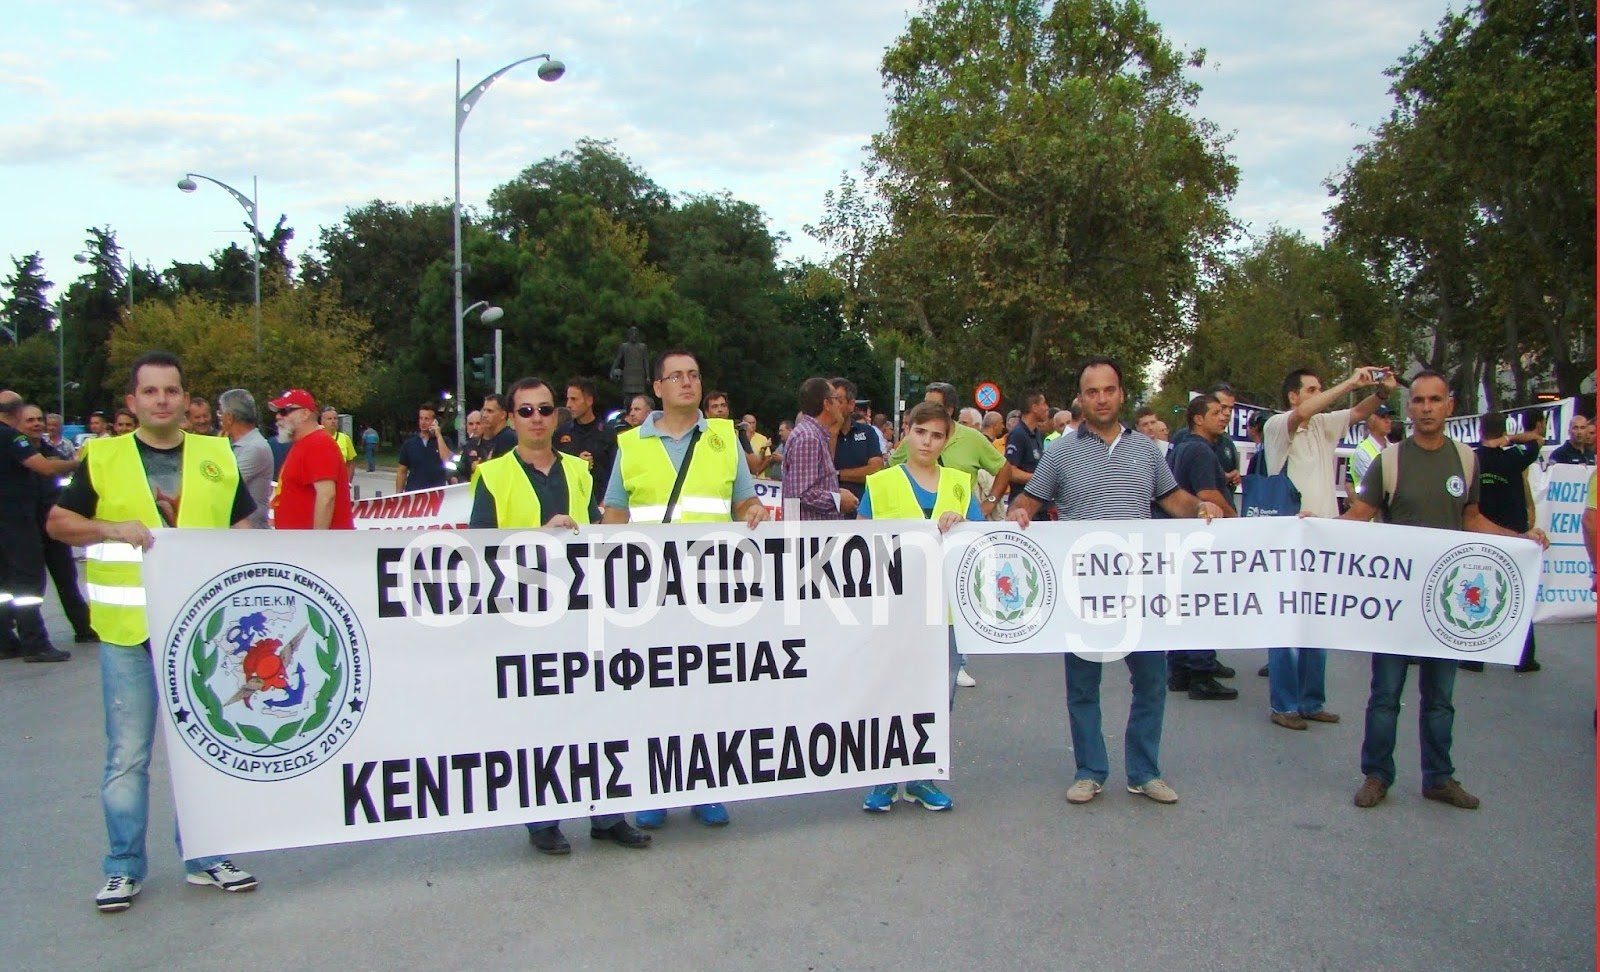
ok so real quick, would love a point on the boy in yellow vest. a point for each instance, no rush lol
(157, 476)
(532, 485)
(921, 488)
(646, 485)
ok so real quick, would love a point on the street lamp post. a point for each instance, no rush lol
(550, 70)
(187, 184)
(490, 314)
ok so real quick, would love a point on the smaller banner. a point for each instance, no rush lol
(447, 507)
(1117, 586)
(1566, 590)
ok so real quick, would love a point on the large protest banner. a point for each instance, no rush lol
(1115, 586)
(328, 687)
(1565, 592)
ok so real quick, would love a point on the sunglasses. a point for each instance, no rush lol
(526, 411)
(289, 411)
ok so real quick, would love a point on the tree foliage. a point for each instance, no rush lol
(26, 310)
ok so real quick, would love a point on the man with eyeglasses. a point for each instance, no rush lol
(314, 486)
(681, 467)
(533, 485)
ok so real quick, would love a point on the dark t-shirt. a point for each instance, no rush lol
(472, 455)
(1504, 500)
(1024, 446)
(855, 448)
(47, 489)
(19, 493)
(500, 443)
(1431, 490)
(551, 488)
(575, 438)
(424, 468)
(1195, 466)
(163, 470)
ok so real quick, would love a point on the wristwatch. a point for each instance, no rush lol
(989, 498)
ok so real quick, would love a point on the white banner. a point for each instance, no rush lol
(421, 682)
(442, 508)
(1111, 587)
(1565, 588)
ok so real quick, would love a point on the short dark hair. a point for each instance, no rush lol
(1031, 398)
(584, 385)
(814, 394)
(661, 360)
(199, 400)
(121, 412)
(499, 400)
(1430, 373)
(527, 384)
(1294, 379)
(428, 407)
(1198, 407)
(1494, 425)
(845, 385)
(1142, 411)
(929, 412)
(1098, 361)
(1222, 387)
(11, 406)
(716, 393)
(946, 393)
(158, 359)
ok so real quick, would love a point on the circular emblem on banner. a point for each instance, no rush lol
(1473, 597)
(1006, 587)
(266, 672)
(1456, 486)
(210, 470)
(987, 395)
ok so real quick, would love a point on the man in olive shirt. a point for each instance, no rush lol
(1432, 489)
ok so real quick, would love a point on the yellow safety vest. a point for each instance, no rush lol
(347, 449)
(210, 478)
(1371, 450)
(894, 499)
(648, 475)
(515, 502)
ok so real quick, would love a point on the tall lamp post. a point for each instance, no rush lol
(550, 70)
(187, 184)
(490, 315)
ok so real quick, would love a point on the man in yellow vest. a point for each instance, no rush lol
(681, 467)
(532, 485)
(157, 476)
(330, 421)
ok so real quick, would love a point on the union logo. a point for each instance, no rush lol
(210, 470)
(266, 673)
(1473, 597)
(1006, 587)
(715, 442)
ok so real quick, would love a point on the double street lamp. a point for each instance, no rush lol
(550, 70)
(187, 184)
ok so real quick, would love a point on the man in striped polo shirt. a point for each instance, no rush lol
(1106, 471)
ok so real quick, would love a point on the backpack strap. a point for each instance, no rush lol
(1469, 461)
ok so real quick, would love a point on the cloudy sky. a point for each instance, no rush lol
(334, 103)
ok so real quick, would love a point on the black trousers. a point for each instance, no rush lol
(64, 575)
(22, 573)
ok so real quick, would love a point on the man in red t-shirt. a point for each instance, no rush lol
(314, 484)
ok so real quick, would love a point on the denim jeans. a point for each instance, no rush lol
(372, 458)
(1436, 678)
(128, 690)
(1297, 680)
(1198, 662)
(1147, 672)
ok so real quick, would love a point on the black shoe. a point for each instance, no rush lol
(48, 655)
(1262, 672)
(549, 840)
(86, 638)
(1532, 666)
(1178, 682)
(10, 651)
(622, 834)
(1210, 690)
(1472, 666)
(1221, 671)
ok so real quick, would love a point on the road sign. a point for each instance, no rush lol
(987, 395)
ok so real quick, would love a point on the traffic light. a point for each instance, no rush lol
(914, 388)
(483, 369)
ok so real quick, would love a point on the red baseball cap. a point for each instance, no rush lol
(293, 398)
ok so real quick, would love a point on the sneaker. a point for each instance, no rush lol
(1156, 789)
(712, 814)
(927, 794)
(117, 895)
(650, 819)
(48, 655)
(224, 875)
(1452, 793)
(1288, 720)
(964, 680)
(1322, 715)
(1082, 791)
(880, 799)
(1372, 792)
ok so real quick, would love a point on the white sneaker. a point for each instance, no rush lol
(1082, 791)
(1156, 789)
(223, 875)
(117, 895)
(964, 680)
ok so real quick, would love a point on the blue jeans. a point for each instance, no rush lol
(1436, 678)
(128, 690)
(1297, 680)
(1147, 671)
(372, 458)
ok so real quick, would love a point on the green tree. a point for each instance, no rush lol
(594, 171)
(30, 369)
(1050, 192)
(91, 307)
(26, 310)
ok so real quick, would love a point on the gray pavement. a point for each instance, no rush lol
(1265, 864)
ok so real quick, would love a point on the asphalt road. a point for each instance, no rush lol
(1264, 864)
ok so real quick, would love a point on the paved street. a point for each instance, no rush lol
(1265, 864)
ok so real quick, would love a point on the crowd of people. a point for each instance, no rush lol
(539, 457)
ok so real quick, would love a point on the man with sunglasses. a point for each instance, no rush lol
(314, 486)
(681, 467)
(532, 485)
